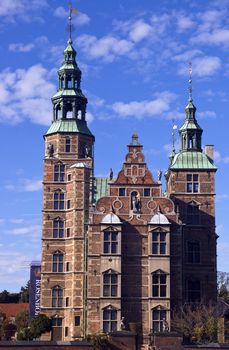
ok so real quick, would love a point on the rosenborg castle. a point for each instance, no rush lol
(118, 251)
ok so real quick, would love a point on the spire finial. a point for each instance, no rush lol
(190, 81)
(70, 25)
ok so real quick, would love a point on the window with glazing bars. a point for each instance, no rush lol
(58, 200)
(193, 252)
(57, 297)
(192, 183)
(159, 284)
(59, 170)
(58, 228)
(110, 284)
(159, 317)
(58, 262)
(109, 320)
(110, 242)
(158, 243)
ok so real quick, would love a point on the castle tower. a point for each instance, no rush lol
(67, 197)
(191, 186)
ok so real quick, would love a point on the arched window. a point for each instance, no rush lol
(58, 200)
(159, 284)
(59, 170)
(110, 319)
(58, 228)
(57, 296)
(110, 242)
(159, 320)
(110, 284)
(58, 262)
(193, 252)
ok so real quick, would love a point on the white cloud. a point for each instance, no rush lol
(22, 47)
(184, 23)
(30, 90)
(146, 108)
(20, 8)
(25, 185)
(222, 196)
(106, 48)
(207, 114)
(216, 37)
(79, 18)
(202, 66)
(33, 230)
(17, 221)
(219, 158)
(139, 31)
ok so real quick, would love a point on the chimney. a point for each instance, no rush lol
(209, 151)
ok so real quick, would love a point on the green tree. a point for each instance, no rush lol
(24, 293)
(40, 324)
(25, 334)
(22, 320)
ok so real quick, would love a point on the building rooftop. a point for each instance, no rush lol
(192, 160)
(68, 126)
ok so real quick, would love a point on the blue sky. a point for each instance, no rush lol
(134, 56)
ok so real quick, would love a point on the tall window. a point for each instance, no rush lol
(109, 320)
(57, 297)
(58, 200)
(159, 320)
(192, 183)
(159, 279)
(158, 243)
(193, 252)
(67, 145)
(110, 242)
(59, 172)
(58, 228)
(193, 214)
(193, 291)
(110, 284)
(58, 262)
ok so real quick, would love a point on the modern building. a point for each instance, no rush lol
(119, 253)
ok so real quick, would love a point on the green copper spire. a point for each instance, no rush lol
(190, 132)
(69, 102)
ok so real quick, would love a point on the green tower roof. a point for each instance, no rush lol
(192, 160)
(68, 126)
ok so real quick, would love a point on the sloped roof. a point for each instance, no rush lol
(159, 219)
(192, 160)
(111, 219)
(101, 188)
(11, 310)
(68, 126)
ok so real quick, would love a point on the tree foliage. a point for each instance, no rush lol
(6, 297)
(198, 323)
(24, 293)
(22, 320)
(39, 325)
(98, 340)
